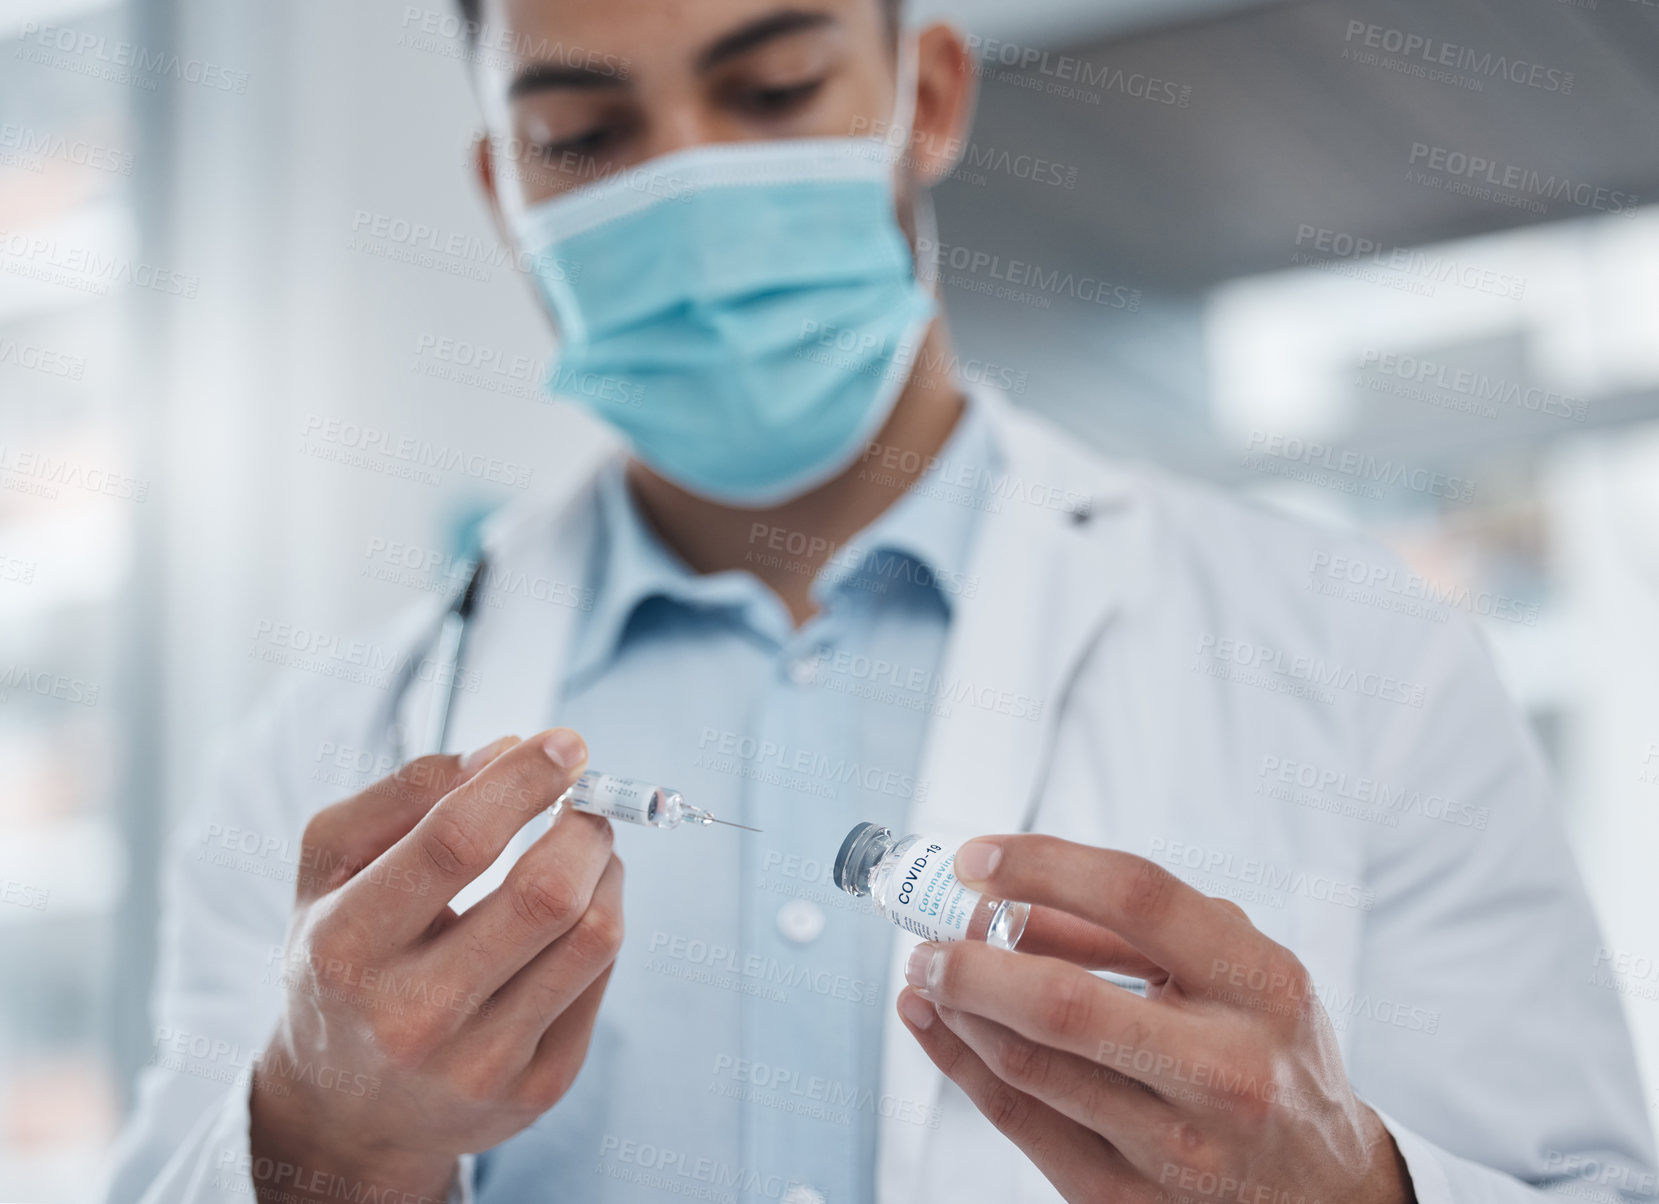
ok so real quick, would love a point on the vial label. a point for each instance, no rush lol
(925, 898)
(614, 798)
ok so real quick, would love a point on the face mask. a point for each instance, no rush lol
(746, 314)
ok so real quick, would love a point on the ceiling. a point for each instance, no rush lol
(1049, 23)
(1285, 130)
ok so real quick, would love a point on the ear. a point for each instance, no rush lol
(483, 171)
(946, 88)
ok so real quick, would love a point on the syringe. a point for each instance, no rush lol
(633, 802)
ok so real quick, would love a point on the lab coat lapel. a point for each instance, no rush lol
(1047, 584)
(534, 591)
(532, 599)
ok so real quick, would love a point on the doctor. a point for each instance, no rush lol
(830, 584)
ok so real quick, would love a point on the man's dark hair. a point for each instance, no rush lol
(472, 13)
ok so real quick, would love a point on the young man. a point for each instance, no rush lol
(830, 585)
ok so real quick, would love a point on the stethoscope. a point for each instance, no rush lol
(448, 651)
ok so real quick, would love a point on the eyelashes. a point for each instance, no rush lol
(609, 137)
(782, 100)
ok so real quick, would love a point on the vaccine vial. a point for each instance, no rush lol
(912, 881)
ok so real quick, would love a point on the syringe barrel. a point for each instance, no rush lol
(624, 800)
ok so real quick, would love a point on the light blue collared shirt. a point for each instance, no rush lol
(737, 1054)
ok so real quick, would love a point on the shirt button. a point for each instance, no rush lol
(801, 921)
(803, 669)
(800, 1193)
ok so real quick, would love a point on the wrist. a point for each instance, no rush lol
(300, 1156)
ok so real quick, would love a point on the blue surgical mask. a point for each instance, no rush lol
(746, 314)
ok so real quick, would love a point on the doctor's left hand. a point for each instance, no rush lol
(1224, 1083)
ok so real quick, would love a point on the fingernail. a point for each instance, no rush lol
(917, 1010)
(480, 757)
(564, 748)
(977, 860)
(922, 969)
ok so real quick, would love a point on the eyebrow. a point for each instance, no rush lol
(760, 31)
(543, 77)
(546, 77)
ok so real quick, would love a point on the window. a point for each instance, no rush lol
(71, 501)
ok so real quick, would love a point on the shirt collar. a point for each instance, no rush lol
(923, 541)
(932, 527)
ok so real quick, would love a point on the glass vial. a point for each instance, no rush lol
(912, 881)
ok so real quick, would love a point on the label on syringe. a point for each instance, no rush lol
(925, 898)
(614, 798)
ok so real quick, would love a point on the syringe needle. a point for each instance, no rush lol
(697, 815)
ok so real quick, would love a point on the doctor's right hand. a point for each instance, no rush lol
(411, 1034)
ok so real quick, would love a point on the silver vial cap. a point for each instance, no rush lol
(859, 853)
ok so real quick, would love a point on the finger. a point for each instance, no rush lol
(1130, 1115)
(508, 1068)
(1180, 929)
(549, 921)
(498, 1041)
(461, 836)
(564, 1046)
(1052, 933)
(341, 840)
(1230, 906)
(1053, 1003)
(1080, 1163)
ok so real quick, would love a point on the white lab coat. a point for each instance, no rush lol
(1457, 961)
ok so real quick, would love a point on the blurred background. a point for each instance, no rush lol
(1314, 251)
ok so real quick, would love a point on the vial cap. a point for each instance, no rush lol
(845, 868)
